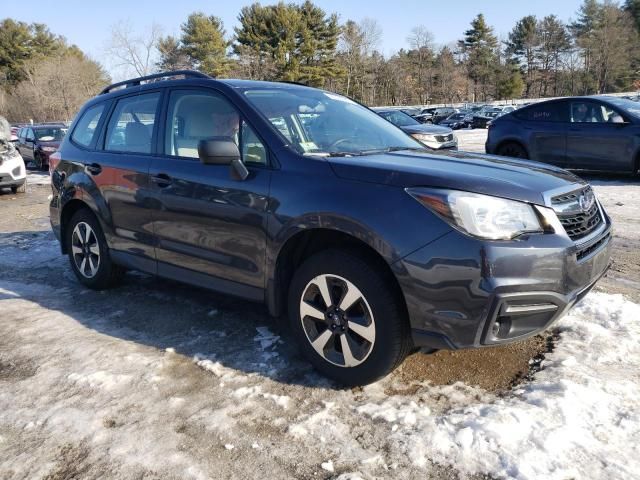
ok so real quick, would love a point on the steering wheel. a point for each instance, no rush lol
(340, 141)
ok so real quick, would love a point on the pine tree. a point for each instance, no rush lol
(299, 41)
(172, 55)
(523, 44)
(203, 41)
(479, 46)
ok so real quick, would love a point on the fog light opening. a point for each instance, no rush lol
(501, 328)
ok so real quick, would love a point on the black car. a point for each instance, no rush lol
(455, 121)
(591, 133)
(371, 243)
(441, 113)
(482, 120)
(425, 115)
(433, 136)
(37, 142)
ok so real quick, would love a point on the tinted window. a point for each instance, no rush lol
(593, 112)
(85, 129)
(194, 116)
(29, 134)
(399, 118)
(544, 112)
(52, 134)
(131, 125)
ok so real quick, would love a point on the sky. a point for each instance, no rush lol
(88, 23)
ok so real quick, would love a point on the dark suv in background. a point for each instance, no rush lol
(305, 200)
(36, 143)
(590, 133)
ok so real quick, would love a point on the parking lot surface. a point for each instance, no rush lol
(159, 380)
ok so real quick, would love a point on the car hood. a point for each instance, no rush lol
(428, 129)
(487, 174)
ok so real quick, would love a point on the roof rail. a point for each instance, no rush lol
(157, 77)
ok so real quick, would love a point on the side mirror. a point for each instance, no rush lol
(222, 151)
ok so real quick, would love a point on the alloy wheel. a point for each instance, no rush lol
(85, 250)
(337, 320)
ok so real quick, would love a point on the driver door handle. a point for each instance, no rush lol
(162, 180)
(94, 168)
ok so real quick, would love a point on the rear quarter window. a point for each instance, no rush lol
(546, 112)
(86, 127)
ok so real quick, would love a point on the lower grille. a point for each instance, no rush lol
(585, 252)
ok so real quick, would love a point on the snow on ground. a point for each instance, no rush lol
(579, 417)
(471, 140)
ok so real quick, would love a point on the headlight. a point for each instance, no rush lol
(483, 216)
(48, 149)
(423, 137)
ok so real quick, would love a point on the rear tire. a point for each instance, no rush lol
(89, 254)
(512, 149)
(349, 306)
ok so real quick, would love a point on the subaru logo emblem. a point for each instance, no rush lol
(586, 200)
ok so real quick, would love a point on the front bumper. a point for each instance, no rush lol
(462, 292)
(12, 172)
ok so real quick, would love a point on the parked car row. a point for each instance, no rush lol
(475, 116)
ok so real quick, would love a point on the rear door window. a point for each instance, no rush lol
(85, 130)
(132, 124)
(546, 112)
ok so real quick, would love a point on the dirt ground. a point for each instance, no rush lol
(75, 355)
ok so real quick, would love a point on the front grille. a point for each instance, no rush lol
(577, 222)
(579, 225)
(444, 138)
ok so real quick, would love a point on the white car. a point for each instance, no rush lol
(13, 173)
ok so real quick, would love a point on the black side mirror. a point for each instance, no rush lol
(223, 151)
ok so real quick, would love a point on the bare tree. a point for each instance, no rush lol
(55, 88)
(421, 42)
(131, 52)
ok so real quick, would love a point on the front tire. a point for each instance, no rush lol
(347, 318)
(512, 149)
(88, 252)
(19, 188)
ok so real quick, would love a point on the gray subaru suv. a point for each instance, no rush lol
(370, 242)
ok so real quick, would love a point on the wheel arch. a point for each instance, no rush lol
(305, 243)
(68, 211)
(517, 141)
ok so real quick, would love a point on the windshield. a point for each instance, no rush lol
(625, 104)
(399, 118)
(315, 122)
(53, 134)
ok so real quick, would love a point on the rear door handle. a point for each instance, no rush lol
(162, 180)
(94, 168)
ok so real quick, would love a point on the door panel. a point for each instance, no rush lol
(593, 142)
(207, 222)
(548, 142)
(121, 173)
(544, 126)
(204, 220)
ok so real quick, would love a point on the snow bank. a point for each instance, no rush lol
(579, 418)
